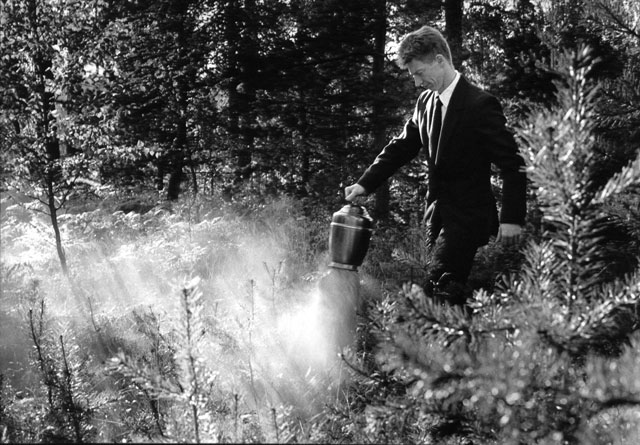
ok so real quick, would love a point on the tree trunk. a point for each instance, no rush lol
(183, 78)
(53, 214)
(194, 179)
(241, 58)
(303, 154)
(248, 65)
(453, 29)
(379, 127)
(46, 133)
(177, 157)
(175, 179)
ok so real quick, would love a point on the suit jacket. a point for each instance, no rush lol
(473, 136)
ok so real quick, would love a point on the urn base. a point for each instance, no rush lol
(342, 266)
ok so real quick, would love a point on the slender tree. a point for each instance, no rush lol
(45, 48)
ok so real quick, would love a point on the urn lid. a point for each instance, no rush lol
(353, 214)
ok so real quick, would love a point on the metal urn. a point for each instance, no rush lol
(351, 229)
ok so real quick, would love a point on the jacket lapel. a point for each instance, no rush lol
(451, 119)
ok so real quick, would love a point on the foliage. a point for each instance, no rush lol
(505, 47)
(65, 404)
(562, 164)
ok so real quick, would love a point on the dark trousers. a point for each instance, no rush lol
(452, 254)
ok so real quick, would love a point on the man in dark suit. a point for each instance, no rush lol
(462, 128)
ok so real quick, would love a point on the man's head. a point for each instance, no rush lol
(426, 54)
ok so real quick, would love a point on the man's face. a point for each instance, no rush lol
(428, 75)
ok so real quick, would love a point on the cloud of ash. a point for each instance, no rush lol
(273, 338)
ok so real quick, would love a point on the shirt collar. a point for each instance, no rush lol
(445, 96)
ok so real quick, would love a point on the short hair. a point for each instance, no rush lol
(424, 43)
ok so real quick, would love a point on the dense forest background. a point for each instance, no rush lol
(228, 99)
(168, 171)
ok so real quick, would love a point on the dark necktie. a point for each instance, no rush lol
(436, 124)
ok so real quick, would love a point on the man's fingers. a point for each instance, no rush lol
(350, 195)
(353, 191)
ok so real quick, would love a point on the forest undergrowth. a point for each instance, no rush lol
(176, 328)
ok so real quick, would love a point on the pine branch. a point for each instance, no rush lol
(68, 395)
(615, 402)
(629, 176)
(193, 332)
(617, 20)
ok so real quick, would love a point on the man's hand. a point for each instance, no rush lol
(510, 234)
(352, 191)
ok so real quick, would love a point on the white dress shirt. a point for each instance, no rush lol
(445, 96)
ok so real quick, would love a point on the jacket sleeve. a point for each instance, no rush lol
(396, 153)
(503, 152)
